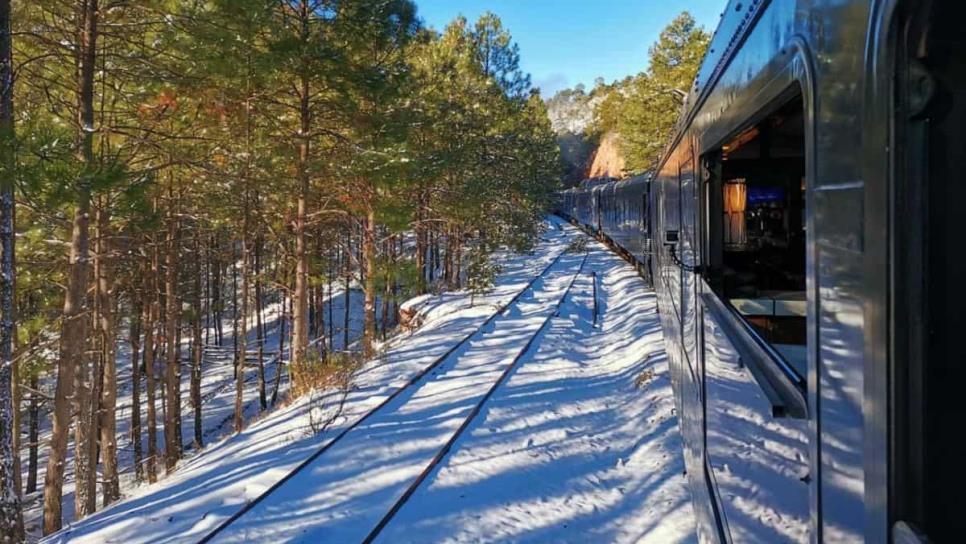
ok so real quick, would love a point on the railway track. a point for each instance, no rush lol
(480, 331)
(441, 454)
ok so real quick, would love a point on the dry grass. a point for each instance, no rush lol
(318, 373)
(578, 245)
(644, 379)
(321, 378)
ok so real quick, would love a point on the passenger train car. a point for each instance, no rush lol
(617, 210)
(802, 234)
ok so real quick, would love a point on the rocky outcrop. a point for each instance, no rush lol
(608, 160)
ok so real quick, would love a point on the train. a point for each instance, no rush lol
(801, 233)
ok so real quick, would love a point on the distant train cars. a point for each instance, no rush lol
(802, 232)
(615, 209)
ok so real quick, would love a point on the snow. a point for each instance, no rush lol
(569, 449)
(580, 443)
(760, 463)
(356, 482)
(217, 393)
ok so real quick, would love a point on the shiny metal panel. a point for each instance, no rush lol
(760, 463)
(841, 394)
(880, 59)
(688, 254)
(670, 220)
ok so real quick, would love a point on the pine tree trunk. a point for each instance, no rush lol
(281, 349)
(16, 390)
(234, 310)
(135, 341)
(387, 289)
(369, 270)
(434, 269)
(281, 326)
(33, 433)
(218, 303)
(172, 374)
(88, 485)
(313, 314)
(319, 333)
(70, 366)
(177, 415)
(16, 396)
(162, 389)
(328, 281)
(11, 517)
(300, 329)
(384, 307)
(421, 261)
(260, 325)
(421, 244)
(206, 298)
(153, 292)
(431, 258)
(397, 251)
(197, 345)
(347, 302)
(108, 389)
(448, 262)
(241, 330)
(458, 257)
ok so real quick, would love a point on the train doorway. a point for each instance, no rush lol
(927, 311)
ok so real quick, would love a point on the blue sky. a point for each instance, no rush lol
(566, 42)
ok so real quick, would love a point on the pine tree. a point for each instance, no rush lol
(305, 64)
(480, 272)
(72, 375)
(230, 48)
(293, 142)
(654, 98)
(377, 123)
(11, 517)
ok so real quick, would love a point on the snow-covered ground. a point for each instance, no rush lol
(580, 443)
(217, 393)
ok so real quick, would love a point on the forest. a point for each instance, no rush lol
(169, 169)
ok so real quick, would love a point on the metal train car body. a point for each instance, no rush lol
(806, 264)
(617, 208)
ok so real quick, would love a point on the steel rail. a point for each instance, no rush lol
(395, 394)
(441, 454)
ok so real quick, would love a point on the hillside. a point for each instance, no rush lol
(574, 116)
(571, 113)
(608, 159)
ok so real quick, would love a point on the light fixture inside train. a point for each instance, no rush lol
(735, 204)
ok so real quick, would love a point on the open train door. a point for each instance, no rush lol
(917, 76)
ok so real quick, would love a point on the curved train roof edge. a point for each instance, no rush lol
(737, 21)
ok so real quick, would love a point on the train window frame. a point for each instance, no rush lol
(784, 386)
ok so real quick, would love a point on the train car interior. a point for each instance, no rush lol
(756, 219)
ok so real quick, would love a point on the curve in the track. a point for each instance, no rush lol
(441, 454)
(398, 392)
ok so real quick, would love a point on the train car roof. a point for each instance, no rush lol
(600, 184)
(642, 178)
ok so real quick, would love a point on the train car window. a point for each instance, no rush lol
(756, 196)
